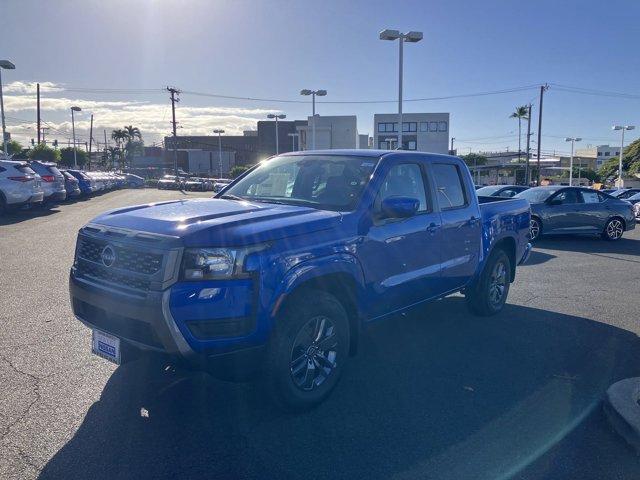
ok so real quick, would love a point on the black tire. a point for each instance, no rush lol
(489, 294)
(535, 229)
(288, 359)
(3, 205)
(613, 229)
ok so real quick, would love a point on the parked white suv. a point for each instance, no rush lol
(19, 186)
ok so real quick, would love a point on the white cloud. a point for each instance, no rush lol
(30, 87)
(153, 119)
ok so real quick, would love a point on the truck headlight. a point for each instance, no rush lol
(215, 263)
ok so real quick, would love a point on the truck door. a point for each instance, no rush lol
(461, 225)
(401, 257)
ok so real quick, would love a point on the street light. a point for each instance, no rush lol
(281, 116)
(73, 129)
(572, 140)
(9, 66)
(410, 37)
(313, 93)
(622, 128)
(219, 132)
(293, 141)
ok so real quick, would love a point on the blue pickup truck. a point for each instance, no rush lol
(280, 272)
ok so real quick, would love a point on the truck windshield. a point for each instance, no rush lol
(329, 182)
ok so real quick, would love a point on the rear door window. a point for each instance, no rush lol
(590, 197)
(449, 185)
(54, 171)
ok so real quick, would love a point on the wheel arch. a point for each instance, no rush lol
(341, 279)
(508, 245)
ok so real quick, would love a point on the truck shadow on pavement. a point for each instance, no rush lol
(437, 393)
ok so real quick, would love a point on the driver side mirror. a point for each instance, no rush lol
(399, 207)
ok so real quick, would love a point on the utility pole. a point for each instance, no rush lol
(526, 169)
(44, 132)
(452, 139)
(174, 91)
(105, 147)
(90, 139)
(38, 110)
(543, 88)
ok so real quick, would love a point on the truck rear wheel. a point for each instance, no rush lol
(308, 351)
(489, 294)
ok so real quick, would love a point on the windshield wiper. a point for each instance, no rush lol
(230, 196)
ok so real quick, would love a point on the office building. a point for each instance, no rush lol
(425, 132)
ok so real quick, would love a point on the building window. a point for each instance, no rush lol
(599, 154)
(433, 126)
(442, 126)
(409, 126)
(392, 127)
(411, 145)
(606, 154)
(382, 127)
(424, 126)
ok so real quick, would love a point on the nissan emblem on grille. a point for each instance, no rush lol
(108, 256)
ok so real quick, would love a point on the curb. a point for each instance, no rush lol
(623, 410)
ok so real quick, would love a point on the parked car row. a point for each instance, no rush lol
(43, 184)
(194, 184)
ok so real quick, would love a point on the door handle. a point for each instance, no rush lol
(433, 228)
(473, 221)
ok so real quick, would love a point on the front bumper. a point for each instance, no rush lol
(148, 324)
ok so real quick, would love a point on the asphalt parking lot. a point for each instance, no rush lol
(437, 393)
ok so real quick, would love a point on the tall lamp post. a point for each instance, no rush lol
(281, 116)
(219, 132)
(410, 37)
(622, 129)
(73, 130)
(573, 140)
(6, 64)
(313, 93)
(293, 141)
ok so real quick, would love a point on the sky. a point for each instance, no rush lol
(114, 59)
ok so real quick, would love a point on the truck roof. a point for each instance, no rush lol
(363, 152)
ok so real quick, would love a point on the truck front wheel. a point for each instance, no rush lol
(489, 294)
(308, 351)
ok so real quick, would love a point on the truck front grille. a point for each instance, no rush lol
(105, 274)
(127, 258)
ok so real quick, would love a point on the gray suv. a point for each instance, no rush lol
(52, 181)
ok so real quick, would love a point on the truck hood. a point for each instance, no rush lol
(219, 222)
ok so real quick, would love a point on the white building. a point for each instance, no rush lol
(332, 132)
(601, 153)
(425, 132)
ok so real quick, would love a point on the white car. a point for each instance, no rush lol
(20, 186)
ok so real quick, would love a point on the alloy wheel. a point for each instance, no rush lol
(615, 229)
(497, 283)
(314, 353)
(534, 229)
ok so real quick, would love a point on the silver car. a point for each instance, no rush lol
(52, 181)
(562, 210)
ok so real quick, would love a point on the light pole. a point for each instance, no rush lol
(219, 132)
(293, 141)
(6, 64)
(73, 129)
(622, 128)
(281, 116)
(573, 140)
(411, 37)
(313, 93)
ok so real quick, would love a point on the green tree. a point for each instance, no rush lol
(609, 169)
(120, 136)
(67, 157)
(13, 146)
(113, 153)
(634, 168)
(44, 152)
(521, 113)
(238, 170)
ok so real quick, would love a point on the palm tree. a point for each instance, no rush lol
(133, 132)
(521, 114)
(114, 152)
(133, 139)
(119, 136)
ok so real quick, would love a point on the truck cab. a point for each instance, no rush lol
(285, 266)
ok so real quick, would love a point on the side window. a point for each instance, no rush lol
(404, 180)
(508, 193)
(451, 192)
(567, 197)
(590, 197)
